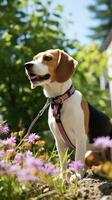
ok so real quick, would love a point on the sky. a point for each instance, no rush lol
(77, 12)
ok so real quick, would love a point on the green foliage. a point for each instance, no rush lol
(102, 12)
(26, 28)
(91, 66)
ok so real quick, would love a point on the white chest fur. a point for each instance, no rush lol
(72, 118)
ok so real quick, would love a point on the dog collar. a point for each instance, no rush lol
(56, 105)
(61, 98)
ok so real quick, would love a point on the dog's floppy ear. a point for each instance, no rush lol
(65, 68)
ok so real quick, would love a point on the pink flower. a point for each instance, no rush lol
(32, 138)
(28, 154)
(103, 142)
(18, 158)
(10, 141)
(76, 165)
(4, 129)
(1, 143)
(2, 154)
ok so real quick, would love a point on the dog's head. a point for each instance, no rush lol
(50, 66)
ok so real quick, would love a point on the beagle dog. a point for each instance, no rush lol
(52, 70)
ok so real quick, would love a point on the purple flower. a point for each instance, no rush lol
(32, 138)
(31, 168)
(50, 169)
(28, 160)
(2, 154)
(10, 141)
(103, 142)
(18, 158)
(76, 165)
(3, 165)
(1, 143)
(26, 174)
(14, 168)
(4, 129)
(33, 162)
(28, 154)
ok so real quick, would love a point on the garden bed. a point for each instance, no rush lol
(91, 187)
(28, 172)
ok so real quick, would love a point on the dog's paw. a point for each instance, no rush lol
(65, 175)
(63, 178)
(81, 173)
(75, 177)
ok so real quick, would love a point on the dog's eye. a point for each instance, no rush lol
(47, 57)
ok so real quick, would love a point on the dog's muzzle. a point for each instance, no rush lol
(34, 77)
(37, 78)
(28, 65)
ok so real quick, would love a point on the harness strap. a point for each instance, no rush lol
(56, 105)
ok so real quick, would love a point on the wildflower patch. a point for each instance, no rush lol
(24, 162)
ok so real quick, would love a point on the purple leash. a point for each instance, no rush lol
(56, 105)
(38, 116)
(34, 121)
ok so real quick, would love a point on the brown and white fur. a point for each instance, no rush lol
(52, 70)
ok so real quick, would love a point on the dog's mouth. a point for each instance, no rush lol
(38, 78)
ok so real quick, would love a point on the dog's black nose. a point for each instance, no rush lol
(28, 65)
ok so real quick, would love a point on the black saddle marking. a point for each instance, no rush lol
(99, 124)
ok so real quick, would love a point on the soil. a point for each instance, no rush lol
(93, 187)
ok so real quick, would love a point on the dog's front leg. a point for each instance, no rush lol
(62, 152)
(61, 146)
(80, 153)
(63, 158)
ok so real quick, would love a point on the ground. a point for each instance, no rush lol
(91, 187)
(94, 188)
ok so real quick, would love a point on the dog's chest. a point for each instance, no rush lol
(71, 116)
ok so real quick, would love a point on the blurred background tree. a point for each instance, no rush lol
(91, 66)
(26, 28)
(102, 12)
